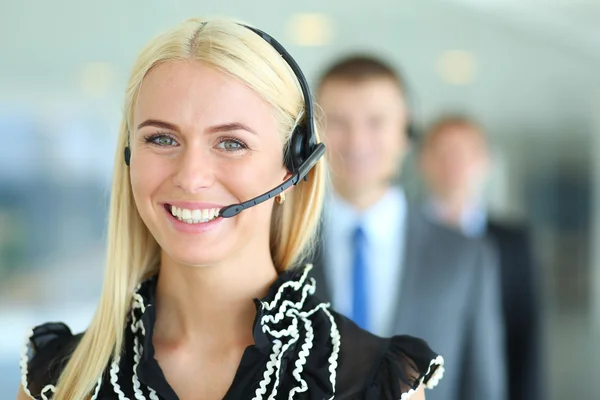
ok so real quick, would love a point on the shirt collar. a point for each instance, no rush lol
(343, 218)
(473, 219)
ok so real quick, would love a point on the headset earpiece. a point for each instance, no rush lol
(127, 155)
(412, 132)
(296, 152)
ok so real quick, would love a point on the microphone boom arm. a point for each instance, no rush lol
(234, 209)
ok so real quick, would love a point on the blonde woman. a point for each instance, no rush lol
(203, 297)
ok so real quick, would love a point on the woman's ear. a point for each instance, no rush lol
(287, 176)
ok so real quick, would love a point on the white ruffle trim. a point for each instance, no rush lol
(138, 349)
(291, 335)
(433, 381)
(24, 370)
(24, 362)
(137, 327)
(48, 388)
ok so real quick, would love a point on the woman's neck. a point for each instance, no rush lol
(212, 304)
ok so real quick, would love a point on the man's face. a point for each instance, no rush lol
(365, 131)
(455, 163)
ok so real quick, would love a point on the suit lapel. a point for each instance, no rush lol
(407, 292)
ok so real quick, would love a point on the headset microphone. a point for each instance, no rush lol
(235, 209)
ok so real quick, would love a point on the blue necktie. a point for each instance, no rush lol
(359, 279)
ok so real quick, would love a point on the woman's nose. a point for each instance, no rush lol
(194, 170)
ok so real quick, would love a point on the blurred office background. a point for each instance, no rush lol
(529, 70)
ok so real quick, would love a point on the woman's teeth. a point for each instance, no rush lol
(194, 216)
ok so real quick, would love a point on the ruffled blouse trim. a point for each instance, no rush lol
(292, 314)
(25, 358)
(49, 390)
(437, 366)
(409, 363)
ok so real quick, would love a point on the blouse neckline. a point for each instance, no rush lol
(283, 335)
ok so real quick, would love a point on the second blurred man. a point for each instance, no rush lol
(382, 262)
(456, 161)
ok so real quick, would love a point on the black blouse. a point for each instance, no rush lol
(302, 350)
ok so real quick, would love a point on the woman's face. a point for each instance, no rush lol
(201, 140)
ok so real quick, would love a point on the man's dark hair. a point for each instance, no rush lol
(360, 67)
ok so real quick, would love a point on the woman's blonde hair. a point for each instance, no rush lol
(132, 252)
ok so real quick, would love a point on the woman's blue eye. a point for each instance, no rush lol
(231, 145)
(161, 140)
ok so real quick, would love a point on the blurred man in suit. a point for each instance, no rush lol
(381, 261)
(455, 161)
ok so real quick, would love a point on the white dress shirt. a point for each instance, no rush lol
(384, 227)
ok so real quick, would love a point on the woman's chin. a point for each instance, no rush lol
(195, 257)
(210, 248)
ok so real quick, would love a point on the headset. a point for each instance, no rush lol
(413, 132)
(412, 129)
(302, 152)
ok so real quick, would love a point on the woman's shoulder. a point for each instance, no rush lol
(372, 367)
(46, 351)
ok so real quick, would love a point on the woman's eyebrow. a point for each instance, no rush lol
(234, 126)
(158, 124)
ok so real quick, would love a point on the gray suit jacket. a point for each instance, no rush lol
(449, 296)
